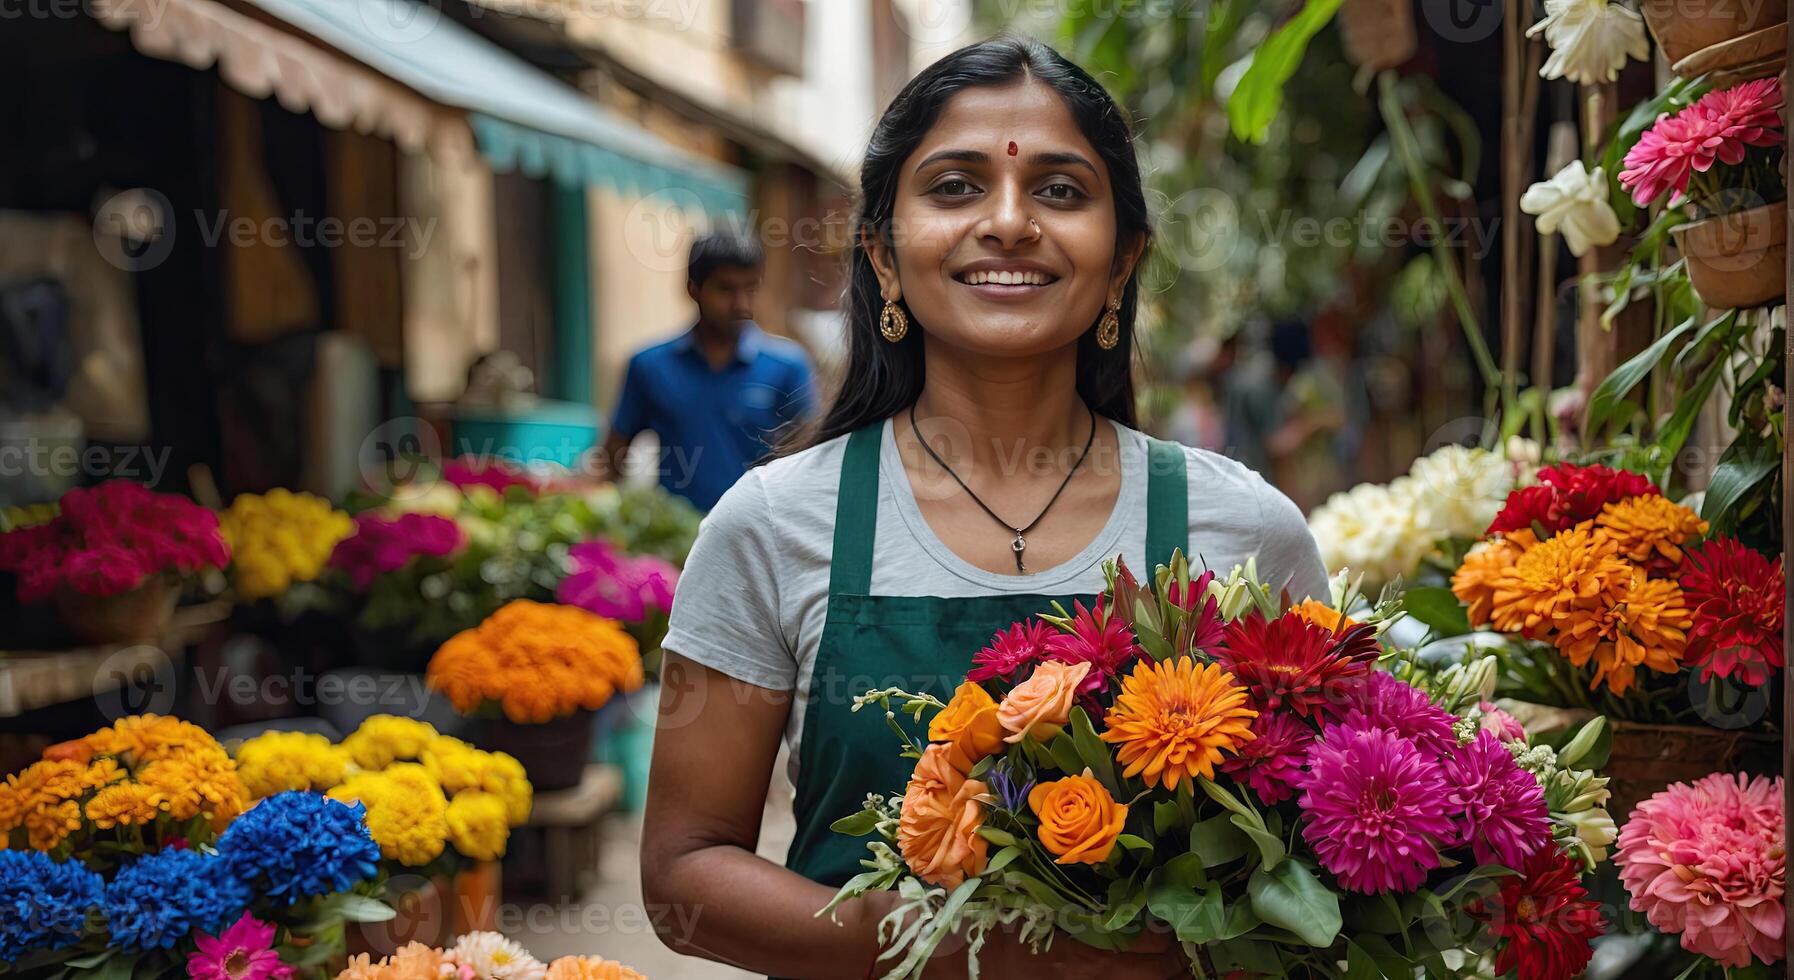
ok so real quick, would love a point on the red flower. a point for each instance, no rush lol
(1204, 625)
(109, 538)
(1543, 918)
(1736, 595)
(1009, 651)
(1567, 496)
(1096, 638)
(1291, 663)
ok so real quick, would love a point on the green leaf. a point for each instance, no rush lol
(1589, 747)
(1001, 838)
(1217, 841)
(943, 923)
(1002, 859)
(1360, 965)
(1134, 842)
(1674, 432)
(1270, 847)
(1610, 395)
(1125, 903)
(1065, 754)
(1220, 795)
(1259, 95)
(1093, 751)
(1198, 915)
(1291, 896)
(1743, 466)
(1164, 817)
(857, 824)
(1185, 870)
(1439, 609)
(116, 967)
(360, 908)
(1251, 955)
(90, 960)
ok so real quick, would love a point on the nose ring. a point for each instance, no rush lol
(1034, 225)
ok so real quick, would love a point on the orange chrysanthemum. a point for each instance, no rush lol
(590, 968)
(1557, 582)
(49, 825)
(1474, 581)
(1174, 720)
(1322, 615)
(1648, 627)
(1650, 530)
(537, 661)
(124, 804)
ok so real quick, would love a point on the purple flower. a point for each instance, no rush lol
(1376, 809)
(1011, 792)
(1499, 808)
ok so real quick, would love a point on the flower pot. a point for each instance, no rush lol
(1682, 27)
(137, 616)
(1377, 34)
(422, 914)
(1758, 54)
(1646, 759)
(554, 753)
(1737, 260)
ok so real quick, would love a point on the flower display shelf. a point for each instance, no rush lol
(554, 753)
(572, 826)
(32, 679)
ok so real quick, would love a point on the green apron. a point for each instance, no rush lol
(918, 643)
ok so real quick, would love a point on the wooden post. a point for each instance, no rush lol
(1516, 150)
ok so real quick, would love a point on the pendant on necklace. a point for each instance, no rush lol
(1018, 546)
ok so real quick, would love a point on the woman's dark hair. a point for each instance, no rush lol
(882, 378)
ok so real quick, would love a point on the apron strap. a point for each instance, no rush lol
(1167, 503)
(856, 513)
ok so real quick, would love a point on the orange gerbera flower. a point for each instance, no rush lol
(1650, 530)
(1474, 581)
(1558, 582)
(1323, 615)
(1174, 720)
(1648, 627)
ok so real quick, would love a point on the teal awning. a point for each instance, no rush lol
(522, 118)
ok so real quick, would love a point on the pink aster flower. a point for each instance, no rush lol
(245, 951)
(1504, 726)
(1009, 651)
(1717, 128)
(1380, 700)
(1271, 764)
(1096, 638)
(1708, 862)
(617, 586)
(1376, 809)
(1499, 807)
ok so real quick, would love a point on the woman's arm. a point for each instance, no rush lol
(706, 890)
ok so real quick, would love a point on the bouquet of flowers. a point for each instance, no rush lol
(533, 662)
(481, 956)
(280, 538)
(137, 856)
(110, 539)
(1186, 755)
(432, 801)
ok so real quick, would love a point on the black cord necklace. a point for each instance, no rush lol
(1020, 544)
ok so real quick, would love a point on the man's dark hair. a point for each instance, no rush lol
(723, 251)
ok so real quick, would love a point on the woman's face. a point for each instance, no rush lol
(1003, 232)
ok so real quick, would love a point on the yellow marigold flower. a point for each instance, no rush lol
(279, 538)
(406, 812)
(1649, 529)
(590, 968)
(48, 826)
(1320, 614)
(384, 739)
(1474, 581)
(275, 762)
(1647, 627)
(1174, 720)
(537, 661)
(1555, 582)
(458, 767)
(479, 825)
(123, 804)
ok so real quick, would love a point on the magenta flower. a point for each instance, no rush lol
(245, 951)
(1376, 809)
(1009, 651)
(475, 471)
(1499, 807)
(380, 545)
(1271, 764)
(1380, 700)
(1205, 631)
(1717, 128)
(1096, 638)
(615, 585)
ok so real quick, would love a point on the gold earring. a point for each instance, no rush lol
(1108, 331)
(893, 322)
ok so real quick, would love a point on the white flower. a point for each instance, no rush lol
(493, 957)
(1461, 490)
(1575, 203)
(1371, 529)
(1590, 40)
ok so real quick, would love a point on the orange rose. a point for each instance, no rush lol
(937, 831)
(1039, 705)
(1079, 820)
(969, 726)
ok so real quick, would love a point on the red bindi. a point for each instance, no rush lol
(1013, 149)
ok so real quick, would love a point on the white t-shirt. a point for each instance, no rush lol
(753, 596)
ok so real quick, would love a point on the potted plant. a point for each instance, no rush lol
(1683, 27)
(112, 560)
(1717, 161)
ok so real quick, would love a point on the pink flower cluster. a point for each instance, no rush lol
(383, 544)
(615, 585)
(110, 539)
(1708, 862)
(473, 471)
(1717, 128)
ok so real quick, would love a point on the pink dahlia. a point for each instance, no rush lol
(1708, 862)
(1096, 638)
(245, 951)
(380, 545)
(617, 586)
(1736, 596)
(1376, 809)
(1009, 651)
(1499, 807)
(1272, 762)
(1717, 128)
(1290, 662)
(1381, 700)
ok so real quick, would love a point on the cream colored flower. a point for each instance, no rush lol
(1459, 491)
(1590, 40)
(1370, 528)
(1574, 202)
(493, 957)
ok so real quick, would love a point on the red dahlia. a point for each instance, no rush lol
(1567, 495)
(1543, 919)
(1736, 595)
(1291, 663)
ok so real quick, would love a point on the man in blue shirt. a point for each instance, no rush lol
(716, 393)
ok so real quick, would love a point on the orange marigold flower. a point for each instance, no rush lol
(123, 804)
(590, 968)
(1474, 581)
(48, 826)
(1174, 720)
(1554, 583)
(537, 661)
(142, 739)
(1650, 530)
(1320, 614)
(1647, 627)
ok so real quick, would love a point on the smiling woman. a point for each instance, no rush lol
(978, 463)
